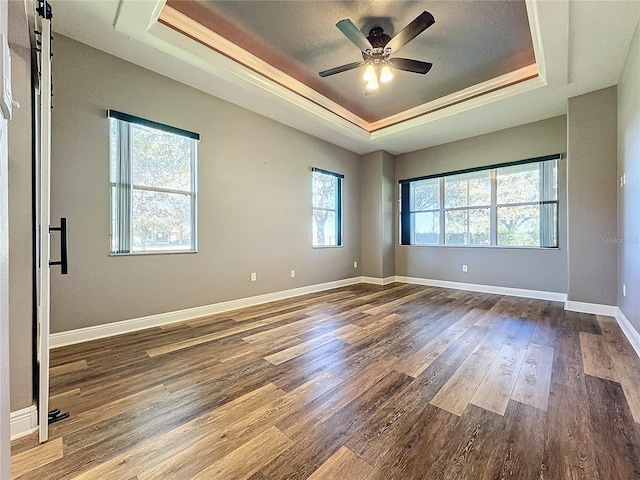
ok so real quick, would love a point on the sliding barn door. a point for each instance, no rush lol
(43, 215)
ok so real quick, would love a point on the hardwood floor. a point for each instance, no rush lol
(363, 382)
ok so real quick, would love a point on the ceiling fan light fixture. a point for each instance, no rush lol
(370, 74)
(386, 74)
(373, 84)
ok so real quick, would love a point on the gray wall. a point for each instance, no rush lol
(592, 179)
(370, 214)
(20, 224)
(388, 203)
(254, 207)
(629, 195)
(376, 214)
(534, 269)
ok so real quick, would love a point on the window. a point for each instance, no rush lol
(327, 208)
(153, 186)
(425, 211)
(467, 202)
(506, 205)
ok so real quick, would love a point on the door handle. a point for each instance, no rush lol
(63, 245)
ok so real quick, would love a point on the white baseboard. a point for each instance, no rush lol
(593, 308)
(86, 334)
(26, 425)
(378, 281)
(631, 333)
(24, 422)
(474, 287)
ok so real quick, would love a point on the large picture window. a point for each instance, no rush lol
(153, 186)
(327, 208)
(504, 205)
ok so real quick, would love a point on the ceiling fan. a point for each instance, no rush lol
(378, 46)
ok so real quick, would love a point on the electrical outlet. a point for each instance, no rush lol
(293, 274)
(253, 276)
(464, 268)
(355, 264)
(624, 290)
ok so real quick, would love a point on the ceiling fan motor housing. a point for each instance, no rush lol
(378, 40)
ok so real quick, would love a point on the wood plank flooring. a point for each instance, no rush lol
(363, 382)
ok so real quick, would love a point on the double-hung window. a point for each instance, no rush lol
(424, 214)
(467, 208)
(512, 204)
(153, 186)
(327, 208)
(527, 204)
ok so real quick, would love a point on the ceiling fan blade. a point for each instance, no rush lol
(411, 31)
(347, 27)
(343, 68)
(409, 65)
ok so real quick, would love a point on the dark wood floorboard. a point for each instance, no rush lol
(339, 385)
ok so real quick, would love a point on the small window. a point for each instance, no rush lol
(509, 204)
(153, 186)
(327, 208)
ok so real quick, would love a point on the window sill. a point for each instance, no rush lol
(153, 252)
(492, 247)
(320, 247)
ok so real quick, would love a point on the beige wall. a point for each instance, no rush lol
(592, 178)
(254, 207)
(535, 269)
(20, 215)
(629, 195)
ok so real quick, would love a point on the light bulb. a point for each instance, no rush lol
(369, 73)
(373, 84)
(386, 74)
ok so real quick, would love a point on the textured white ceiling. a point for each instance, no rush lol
(471, 42)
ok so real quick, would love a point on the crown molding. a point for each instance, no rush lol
(187, 26)
(267, 91)
(245, 66)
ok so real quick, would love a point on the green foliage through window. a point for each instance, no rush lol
(153, 186)
(327, 208)
(511, 205)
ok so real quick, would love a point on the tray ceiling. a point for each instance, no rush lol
(579, 46)
(472, 43)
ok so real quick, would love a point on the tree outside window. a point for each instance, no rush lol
(327, 208)
(511, 205)
(153, 186)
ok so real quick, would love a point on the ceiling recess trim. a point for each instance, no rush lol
(536, 38)
(523, 79)
(254, 86)
(503, 81)
(160, 26)
(462, 105)
(180, 22)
